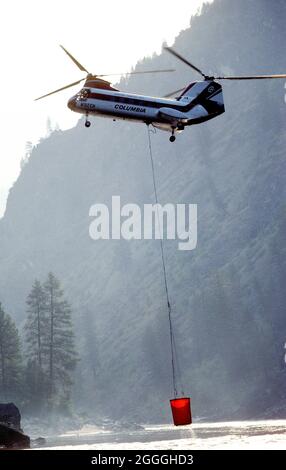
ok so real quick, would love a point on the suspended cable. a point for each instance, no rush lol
(178, 369)
(173, 349)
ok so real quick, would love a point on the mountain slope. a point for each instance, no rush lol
(228, 295)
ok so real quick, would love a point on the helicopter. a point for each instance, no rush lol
(198, 102)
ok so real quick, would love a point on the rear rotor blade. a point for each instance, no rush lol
(81, 67)
(174, 93)
(60, 89)
(252, 77)
(172, 51)
(135, 73)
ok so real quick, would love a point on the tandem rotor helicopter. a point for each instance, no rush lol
(197, 102)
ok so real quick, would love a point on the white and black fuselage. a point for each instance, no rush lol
(199, 102)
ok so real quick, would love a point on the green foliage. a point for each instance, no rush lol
(228, 295)
(36, 324)
(50, 350)
(10, 358)
(36, 346)
(62, 357)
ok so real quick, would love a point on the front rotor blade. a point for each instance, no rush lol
(174, 93)
(169, 49)
(60, 89)
(252, 77)
(81, 67)
(135, 73)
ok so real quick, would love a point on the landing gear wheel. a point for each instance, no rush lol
(173, 138)
(87, 123)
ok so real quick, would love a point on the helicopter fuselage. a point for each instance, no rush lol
(199, 102)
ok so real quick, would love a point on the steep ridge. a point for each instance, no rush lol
(228, 295)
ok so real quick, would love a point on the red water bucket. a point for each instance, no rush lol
(181, 410)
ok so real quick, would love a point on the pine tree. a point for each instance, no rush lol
(49, 126)
(36, 329)
(10, 358)
(62, 357)
(28, 151)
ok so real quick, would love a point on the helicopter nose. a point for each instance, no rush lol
(71, 103)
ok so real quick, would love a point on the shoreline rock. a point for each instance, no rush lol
(11, 434)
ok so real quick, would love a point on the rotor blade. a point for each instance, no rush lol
(135, 73)
(81, 67)
(60, 89)
(174, 93)
(252, 77)
(169, 49)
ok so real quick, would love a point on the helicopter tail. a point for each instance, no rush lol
(207, 93)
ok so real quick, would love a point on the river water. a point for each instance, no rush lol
(269, 434)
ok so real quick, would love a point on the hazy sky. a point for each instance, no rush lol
(107, 36)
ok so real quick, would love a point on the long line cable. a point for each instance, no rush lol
(173, 351)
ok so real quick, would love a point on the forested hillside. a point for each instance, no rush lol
(228, 295)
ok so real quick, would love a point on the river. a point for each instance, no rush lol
(268, 434)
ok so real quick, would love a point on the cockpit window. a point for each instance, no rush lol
(83, 95)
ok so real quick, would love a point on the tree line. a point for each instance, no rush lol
(37, 369)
